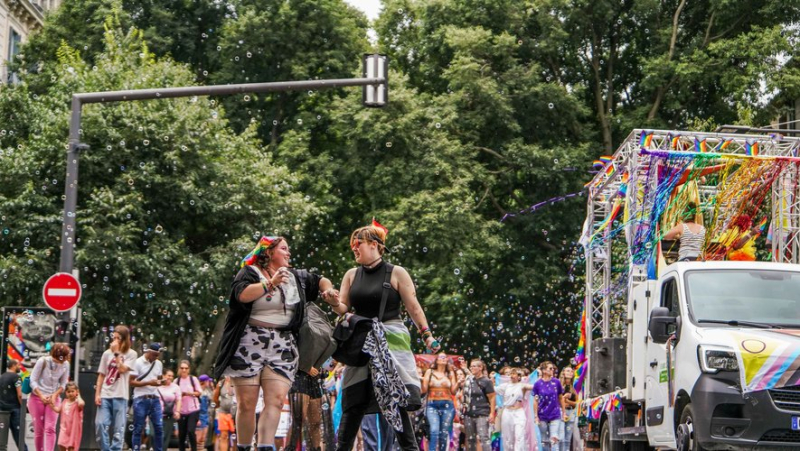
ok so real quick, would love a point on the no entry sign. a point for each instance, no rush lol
(61, 291)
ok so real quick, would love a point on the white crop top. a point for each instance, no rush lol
(276, 310)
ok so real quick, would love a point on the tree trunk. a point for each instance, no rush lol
(602, 117)
(661, 91)
(212, 346)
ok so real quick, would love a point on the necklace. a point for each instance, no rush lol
(373, 263)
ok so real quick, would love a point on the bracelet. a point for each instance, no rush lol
(266, 287)
(424, 329)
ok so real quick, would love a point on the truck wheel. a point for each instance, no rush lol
(606, 444)
(685, 437)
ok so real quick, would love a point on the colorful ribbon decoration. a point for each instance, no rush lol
(263, 244)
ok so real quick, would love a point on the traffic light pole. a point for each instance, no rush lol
(75, 146)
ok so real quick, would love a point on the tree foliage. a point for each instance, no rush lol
(495, 105)
(169, 196)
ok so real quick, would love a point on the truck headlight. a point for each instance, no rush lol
(717, 358)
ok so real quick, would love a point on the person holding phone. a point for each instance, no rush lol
(146, 377)
(258, 349)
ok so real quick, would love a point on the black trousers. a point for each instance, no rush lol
(351, 423)
(187, 425)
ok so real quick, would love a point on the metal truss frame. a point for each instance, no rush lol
(628, 159)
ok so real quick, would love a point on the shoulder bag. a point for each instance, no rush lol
(316, 341)
(351, 332)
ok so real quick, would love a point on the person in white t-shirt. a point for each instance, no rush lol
(145, 378)
(112, 390)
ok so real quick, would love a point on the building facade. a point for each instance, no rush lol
(18, 20)
(789, 115)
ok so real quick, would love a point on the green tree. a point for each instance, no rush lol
(275, 40)
(186, 30)
(169, 196)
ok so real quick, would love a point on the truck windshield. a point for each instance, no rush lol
(769, 297)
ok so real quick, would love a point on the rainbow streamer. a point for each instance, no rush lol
(700, 146)
(645, 139)
(762, 224)
(264, 243)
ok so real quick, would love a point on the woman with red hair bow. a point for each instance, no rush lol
(258, 349)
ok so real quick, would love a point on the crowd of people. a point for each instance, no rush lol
(259, 399)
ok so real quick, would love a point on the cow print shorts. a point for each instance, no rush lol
(264, 346)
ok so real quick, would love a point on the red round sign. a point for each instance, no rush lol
(61, 291)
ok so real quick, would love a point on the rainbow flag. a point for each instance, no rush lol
(700, 146)
(614, 403)
(751, 148)
(580, 356)
(675, 141)
(496, 442)
(723, 144)
(645, 139)
(596, 408)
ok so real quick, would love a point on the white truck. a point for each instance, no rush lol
(700, 354)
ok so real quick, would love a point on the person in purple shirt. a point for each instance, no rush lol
(548, 405)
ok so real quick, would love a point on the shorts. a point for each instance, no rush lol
(263, 348)
(284, 424)
(225, 422)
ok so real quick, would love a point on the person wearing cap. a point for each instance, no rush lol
(258, 349)
(145, 378)
(206, 394)
(112, 390)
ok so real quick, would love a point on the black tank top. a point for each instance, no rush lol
(367, 290)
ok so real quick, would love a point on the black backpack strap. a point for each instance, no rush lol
(387, 285)
(139, 379)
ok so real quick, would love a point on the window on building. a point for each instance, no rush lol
(14, 43)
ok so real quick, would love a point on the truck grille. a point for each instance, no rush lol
(781, 436)
(786, 398)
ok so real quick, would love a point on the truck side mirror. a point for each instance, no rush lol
(662, 324)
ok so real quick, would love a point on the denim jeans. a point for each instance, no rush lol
(111, 415)
(476, 430)
(13, 422)
(569, 428)
(440, 420)
(142, 409)
(551, 430)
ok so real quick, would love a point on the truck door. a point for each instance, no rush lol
(659, 416)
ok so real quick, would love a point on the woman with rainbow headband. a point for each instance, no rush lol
(362, 290)
(258, 349)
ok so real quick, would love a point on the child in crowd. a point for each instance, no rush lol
(71, 410)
